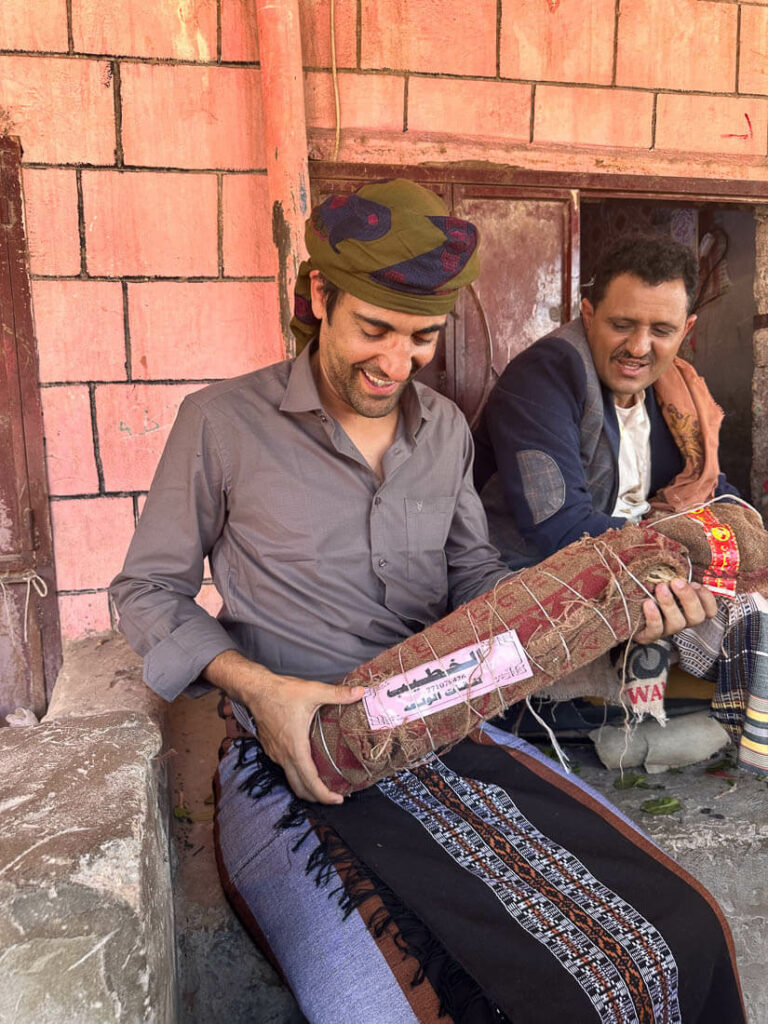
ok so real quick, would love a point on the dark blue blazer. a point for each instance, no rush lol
(538, 408)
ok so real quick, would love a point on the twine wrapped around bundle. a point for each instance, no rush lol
(727, 544)
(565, 612)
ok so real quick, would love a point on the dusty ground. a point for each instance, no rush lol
(222, 977)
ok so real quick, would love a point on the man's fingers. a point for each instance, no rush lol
(308, 784)
(707, 598)
(330, 693)
(654, 625)
(680, 607)
(347, 694)
(676, 607)
(694, 602)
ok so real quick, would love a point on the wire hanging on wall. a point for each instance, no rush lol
(335, 75)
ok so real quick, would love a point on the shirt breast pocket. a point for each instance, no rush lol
(427, 524)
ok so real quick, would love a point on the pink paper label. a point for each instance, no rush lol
(445, 682)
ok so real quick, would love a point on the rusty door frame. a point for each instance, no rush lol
(593, 185)
(37, 554)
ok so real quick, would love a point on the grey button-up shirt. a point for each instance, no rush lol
(320, 565)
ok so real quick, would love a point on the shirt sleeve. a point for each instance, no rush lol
(155, 593)
(533, 419)
(474, 564)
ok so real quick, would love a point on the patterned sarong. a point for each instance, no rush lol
(484, 884)
(732, 651)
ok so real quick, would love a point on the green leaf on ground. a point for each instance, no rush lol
(182, 812)
(630, 780)
(662, 805)
(723, 765)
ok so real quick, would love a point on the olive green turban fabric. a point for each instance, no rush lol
(390, 243)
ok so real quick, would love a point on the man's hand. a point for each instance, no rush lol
(283, 708)
(676, 606)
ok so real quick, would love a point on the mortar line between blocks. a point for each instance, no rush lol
(127, 333)
(118, 98)
(95, 432)
(81, 222)
(220, 222)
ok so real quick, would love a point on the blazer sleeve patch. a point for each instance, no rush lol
(543, 484)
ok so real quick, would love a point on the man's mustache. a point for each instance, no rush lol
(624, 354)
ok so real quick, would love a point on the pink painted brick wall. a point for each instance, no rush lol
(239, 34)
(64, 110)
(246, 222)
(149, 231)
(617, 117)
(146, 29)
(46, 31)
(448, 36)
(69, 448)
(51, 209)
(661, 45)
(173, 324)
(133, 422)
(211, 108)
(367, 101)
(139, 224)
(80, 329)
(470, 107)
(90, 537)
(147, 203)
(558, 42)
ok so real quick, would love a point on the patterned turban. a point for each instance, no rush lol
(390, 243)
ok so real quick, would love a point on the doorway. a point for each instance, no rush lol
(720, 347)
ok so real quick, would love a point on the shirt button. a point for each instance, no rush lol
(377, 500)
(382, 563)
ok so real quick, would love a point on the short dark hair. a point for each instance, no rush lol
(653, 258)
(332, 295)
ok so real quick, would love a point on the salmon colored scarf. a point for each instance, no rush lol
(694, 419)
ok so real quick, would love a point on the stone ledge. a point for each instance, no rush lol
(86, 914)
(102, 674)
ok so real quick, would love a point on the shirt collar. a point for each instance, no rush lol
(301, 394)
(301, 391)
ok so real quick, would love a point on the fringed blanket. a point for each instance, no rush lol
(494, 889)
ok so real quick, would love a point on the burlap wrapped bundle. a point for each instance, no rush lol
(567, 610)
(748, 564)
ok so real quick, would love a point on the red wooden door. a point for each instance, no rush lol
(528, 284)
(30, 645)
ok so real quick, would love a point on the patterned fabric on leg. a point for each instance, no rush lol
(556, 905)
(537, 900)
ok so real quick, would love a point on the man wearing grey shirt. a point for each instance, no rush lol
(333, 496)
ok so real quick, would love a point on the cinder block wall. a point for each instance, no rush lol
(146, 201)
